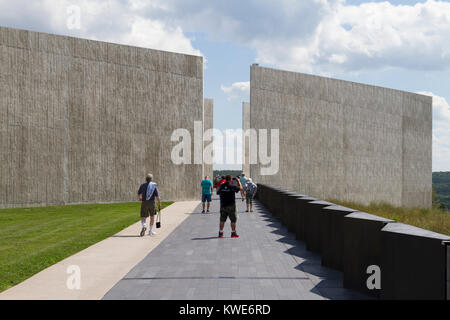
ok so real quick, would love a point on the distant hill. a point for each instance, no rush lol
(233, 173)
(441, 185)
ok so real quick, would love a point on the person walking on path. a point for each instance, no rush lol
(147, 194)
(207, 188)
(243, 180)
(250, 191)
(228, 205)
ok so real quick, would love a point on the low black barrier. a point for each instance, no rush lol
(362, 249)
(333, 236)
(285, 209)
(293, 211)
(313, 219)
(413, 263)
(276, 199)
(299, 223)
(269, 199)
(447, 246)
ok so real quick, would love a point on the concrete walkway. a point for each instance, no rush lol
(103, 264)
(266, 262)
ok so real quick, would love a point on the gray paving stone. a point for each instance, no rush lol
(266, 262)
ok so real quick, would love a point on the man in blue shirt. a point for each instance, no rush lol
(243, 180)
(147, 194)
(207, 187)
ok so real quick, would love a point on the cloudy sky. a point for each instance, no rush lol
(400, 44)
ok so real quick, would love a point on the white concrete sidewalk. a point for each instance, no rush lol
(103, 264)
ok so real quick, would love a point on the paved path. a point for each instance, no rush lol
(103, 264)
(266, 262)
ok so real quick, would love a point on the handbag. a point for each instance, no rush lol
(158, 219)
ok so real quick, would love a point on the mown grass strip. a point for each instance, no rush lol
(32, 239)
(436, 220)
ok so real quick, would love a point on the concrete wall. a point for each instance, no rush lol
(246, 139)
(84, 121)
(208, 123)
(344, 140)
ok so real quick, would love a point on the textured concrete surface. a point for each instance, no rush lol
(101, 265)
(208, 123)
(266, 262)
(84, 121)
(246, 139)
(344, 140)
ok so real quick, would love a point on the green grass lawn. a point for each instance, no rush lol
(32, 239)
(431, 219)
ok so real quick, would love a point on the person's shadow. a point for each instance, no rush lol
(207, 238)
(126, 236)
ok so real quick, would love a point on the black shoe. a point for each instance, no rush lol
(203, 211)
(208, 211)
(143, 231)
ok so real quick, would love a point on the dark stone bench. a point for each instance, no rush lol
(313, 221)
(285, 207)
(299, 216)
(333, 236)
(362, 248)
(413, 264)
(292, 210)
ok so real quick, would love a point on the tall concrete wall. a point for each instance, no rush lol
(345, 140)
(208, 123)
(84, 121)
(246, 138)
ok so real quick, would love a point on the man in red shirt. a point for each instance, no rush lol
(222, 180)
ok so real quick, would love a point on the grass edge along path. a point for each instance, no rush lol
(33, 239)
(435, 220)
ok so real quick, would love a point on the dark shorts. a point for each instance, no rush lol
(148, 208)
(206, 197)
(249, 198)
(228, 212)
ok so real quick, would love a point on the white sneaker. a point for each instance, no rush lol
(151, 233)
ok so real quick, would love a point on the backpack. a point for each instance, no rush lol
(251, 188)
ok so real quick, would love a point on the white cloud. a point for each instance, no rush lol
(238, 91)
(320, 36)
(441, 132)
(155, 34)
(372, 35)
(323, 35)
(116, 21)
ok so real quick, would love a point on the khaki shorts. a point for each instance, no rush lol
(148, 208)
(228, 212)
